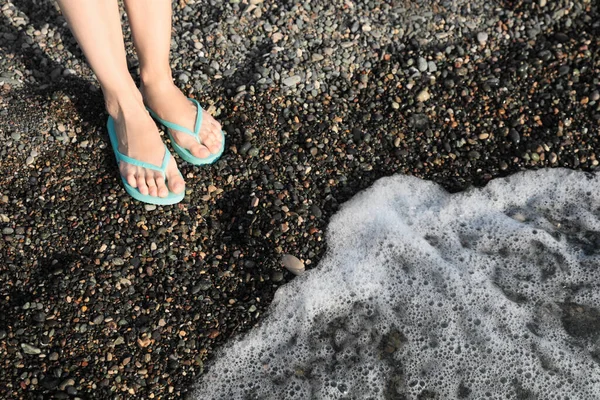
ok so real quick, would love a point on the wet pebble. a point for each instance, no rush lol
(293, 264)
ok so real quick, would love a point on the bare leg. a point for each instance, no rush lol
(151, 27)
(96, 26)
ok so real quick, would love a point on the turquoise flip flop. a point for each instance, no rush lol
(172, 198)
(185, 153)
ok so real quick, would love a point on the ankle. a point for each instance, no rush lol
(123, 101)
(156, 78)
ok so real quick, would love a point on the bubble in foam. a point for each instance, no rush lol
(490, 293)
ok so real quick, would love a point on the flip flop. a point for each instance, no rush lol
(185, 153)
(171, 198)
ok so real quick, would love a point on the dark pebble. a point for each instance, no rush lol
(514, 136)
(277, 276)
(316, 211)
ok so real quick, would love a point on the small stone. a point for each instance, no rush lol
(53, 356)
(423, 96)
(65, 383)
(39, 317)
(316, 211)
(253, 152)
(553, 158)
(422, 64)
(56, 72)
(29, 160)
(293, 264)
(317, 57)
(542, 3)
(196, 289)
(183, 78)
(395, 105)
(245, 147)
(118, 261)
(514, 136)
(277, 276)
(431, 66)
(15, 136)
(149, 207)
(292, 80)
(276, 37)
(29, 349)
(482, 37)
(8, 231)
(474, 155)
(201, 286)
(119, 340)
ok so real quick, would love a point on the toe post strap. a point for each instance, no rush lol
(162, 168)
(171, 125)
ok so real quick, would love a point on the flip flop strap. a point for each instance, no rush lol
(162, 169)
(195, 133)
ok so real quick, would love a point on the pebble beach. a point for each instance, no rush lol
(104, 297)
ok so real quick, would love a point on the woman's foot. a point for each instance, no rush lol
(139, 138)
(167, 101)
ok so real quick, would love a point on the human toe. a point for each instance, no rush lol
(161, 186)
(151, 183)
(200, 151)
(175, 181)
(141, 183)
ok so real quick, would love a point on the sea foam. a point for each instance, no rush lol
(489, 293)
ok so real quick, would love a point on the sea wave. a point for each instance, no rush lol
(488, 293)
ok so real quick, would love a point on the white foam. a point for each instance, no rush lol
(480, 294)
